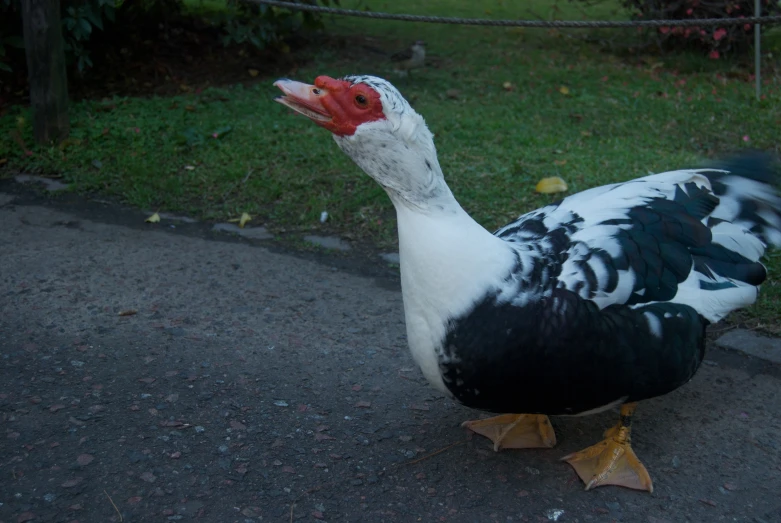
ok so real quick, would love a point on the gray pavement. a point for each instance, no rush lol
(178, 374)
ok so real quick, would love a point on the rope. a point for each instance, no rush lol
(575, 24)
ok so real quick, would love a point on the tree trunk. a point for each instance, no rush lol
(46, 69)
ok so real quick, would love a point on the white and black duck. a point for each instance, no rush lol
(597, 301)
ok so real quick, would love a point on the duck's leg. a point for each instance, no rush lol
(515, 431)
(612, 461)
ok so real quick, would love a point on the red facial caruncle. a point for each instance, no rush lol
(337, 105)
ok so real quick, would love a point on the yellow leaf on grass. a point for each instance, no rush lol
(564, 90)
(550, 185)
(241, 221)
(560, 162)
(253, 72)
(155, 218)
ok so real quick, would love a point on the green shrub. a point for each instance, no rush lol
(715, 40)
(259, 25)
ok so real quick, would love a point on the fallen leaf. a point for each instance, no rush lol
(560, 162)
(251, 512)
(507, 86)
(84, 459)
(708, 502)
(55, 408)
(317, 514)
(133, 500)
(288, 469)
(147, 380)
(129, 312)
(564, 90)
(71, 482)
(551, 185)
(155, 218)
(148, 477)
(244, 219)
(730, 486)
(322, 437)
(363, 404)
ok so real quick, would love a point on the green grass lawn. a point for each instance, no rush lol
(625, 114)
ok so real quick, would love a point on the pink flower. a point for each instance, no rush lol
(746, 138)
(137, 130)
(214, 135)
(714, 55)
(719, 33)
(689, 11)
(664, 30)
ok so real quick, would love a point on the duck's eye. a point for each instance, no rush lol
(361, 100)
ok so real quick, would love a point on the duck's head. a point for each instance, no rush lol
(348, 105)
(374, 125)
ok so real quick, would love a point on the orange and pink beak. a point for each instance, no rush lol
(303, 98)
(337, 105)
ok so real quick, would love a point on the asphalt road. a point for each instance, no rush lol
(256, 385)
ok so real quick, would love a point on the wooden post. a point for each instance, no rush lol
(46, 69)
(757, 51)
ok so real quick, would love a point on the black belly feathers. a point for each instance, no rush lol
(563, 355)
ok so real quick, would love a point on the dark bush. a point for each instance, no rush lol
(258, 25)
(715, 40)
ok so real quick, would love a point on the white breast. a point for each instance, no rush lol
(448, 262)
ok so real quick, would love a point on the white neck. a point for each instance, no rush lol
(447, 259)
